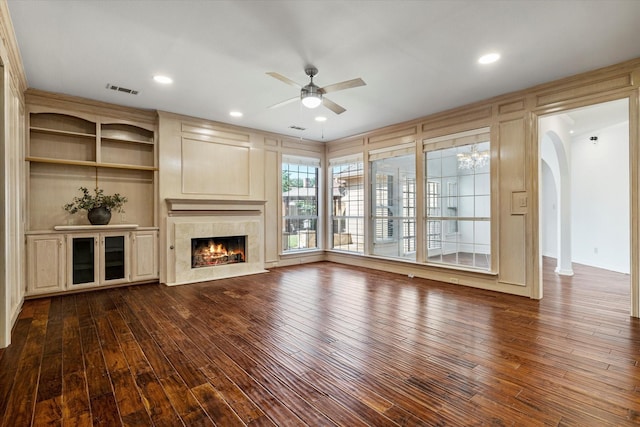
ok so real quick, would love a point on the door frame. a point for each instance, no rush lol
(634, 188)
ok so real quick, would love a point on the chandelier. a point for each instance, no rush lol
(473, 159)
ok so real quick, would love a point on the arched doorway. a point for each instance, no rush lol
(554, 146)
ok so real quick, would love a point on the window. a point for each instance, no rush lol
(458, 200)
(347, 198)
(384, 207)
(433, 227)
(393, 198)
(409, 215)
(300, 203)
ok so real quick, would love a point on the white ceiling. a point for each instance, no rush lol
(417, 57)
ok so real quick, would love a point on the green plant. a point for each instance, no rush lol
(90, 201)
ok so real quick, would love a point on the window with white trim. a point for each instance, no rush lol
(458, 200)
(347, 203)
(393, 198)
(300, 180)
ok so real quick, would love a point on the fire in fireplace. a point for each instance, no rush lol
(210, 251)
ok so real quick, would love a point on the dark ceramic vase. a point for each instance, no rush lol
(99, 216)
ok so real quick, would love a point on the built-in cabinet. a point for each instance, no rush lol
(71, 261)
(144, 247)
(73, 143)
(46, 255)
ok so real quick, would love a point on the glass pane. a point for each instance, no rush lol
(462, 190)
(482, 184)
(83, 260)
(483, 233)
(451, 226)
(449, 166)
(434, 168)
(434, 255)
(114, 257)
(436, 154)
(482, 206)
(299, 234)
(466, 185)
(466, 206)
(348, 234)
(482, 256)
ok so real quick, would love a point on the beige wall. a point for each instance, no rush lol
(201, 159)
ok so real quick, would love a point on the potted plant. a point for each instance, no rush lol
(97, 205)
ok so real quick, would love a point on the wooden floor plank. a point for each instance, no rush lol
(327, 344)
(21, 402)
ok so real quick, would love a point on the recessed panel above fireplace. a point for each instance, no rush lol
(213, 251)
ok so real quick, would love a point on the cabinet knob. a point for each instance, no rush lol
(171, 247)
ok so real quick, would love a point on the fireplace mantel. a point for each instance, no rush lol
(202, 205)
(190, 218)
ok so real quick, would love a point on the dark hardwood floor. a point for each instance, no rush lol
(326, 344)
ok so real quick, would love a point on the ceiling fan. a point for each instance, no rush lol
(312, 95)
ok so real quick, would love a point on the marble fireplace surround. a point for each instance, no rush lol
(198, 218)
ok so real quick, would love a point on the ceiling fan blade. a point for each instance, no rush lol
(343, 85)
(284, 79)
(288, 101)
(332, 106)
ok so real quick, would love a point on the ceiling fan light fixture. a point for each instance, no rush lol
(312, 101)
(311, 97)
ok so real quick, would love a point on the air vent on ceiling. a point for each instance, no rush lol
(121, 89)
(296, 127)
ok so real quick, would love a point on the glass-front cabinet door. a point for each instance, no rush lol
(83, 260)
(114, 258)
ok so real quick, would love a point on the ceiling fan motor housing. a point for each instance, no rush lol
(310, 90)
(311, 71)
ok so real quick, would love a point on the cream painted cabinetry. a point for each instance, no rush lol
(70, 261)
(46, 255)
(144, 249)
(72, 143)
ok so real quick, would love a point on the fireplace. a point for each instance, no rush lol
(210, 251)
(213, 239)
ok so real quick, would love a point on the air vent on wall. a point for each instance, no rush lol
(121, 89)
(296, 127)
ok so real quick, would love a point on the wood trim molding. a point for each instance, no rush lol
(98, 108)
(193, 204)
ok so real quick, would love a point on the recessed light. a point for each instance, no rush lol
(162, 79)
(489, 58)
(235, 114)
(571, 131)
(321, 119)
